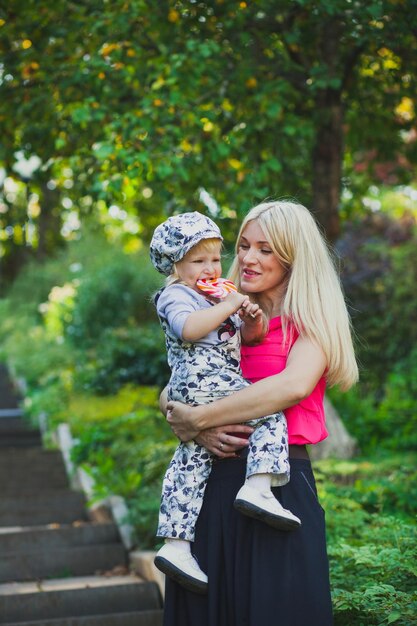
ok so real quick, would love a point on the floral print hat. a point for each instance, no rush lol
(176, 236)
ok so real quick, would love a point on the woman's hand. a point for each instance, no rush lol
(224, 441)
(181, 419)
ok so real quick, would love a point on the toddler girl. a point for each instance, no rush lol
(203, 345)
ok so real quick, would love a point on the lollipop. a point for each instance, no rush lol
(216, 287)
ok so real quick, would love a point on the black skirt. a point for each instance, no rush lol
(258, 576)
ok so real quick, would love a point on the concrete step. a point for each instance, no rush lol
(28, 554)
(77, 597)
(12, 420)
(21, 440)
(9, 400)
(12, 413)
(28, 469)
(61, 506)
(13, 458)
(137, 618)
(74, 561)
(9, 396)
(43, 467)
(11, 425)
(20, 480)
(29, 539)
(32, 484)
(39, 469)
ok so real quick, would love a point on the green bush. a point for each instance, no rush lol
(126, 354)
(384, 484)
(387, 420)
(89, 318)
(371, 539)
(126, 448)
(397, 410)
(113, 296)
(379, 274)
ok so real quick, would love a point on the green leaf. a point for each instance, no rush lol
(274, 165)
(103, 151)
(81, 114)
(394, 617)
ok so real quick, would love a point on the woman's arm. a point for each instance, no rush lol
(305, 366)
(223, 441)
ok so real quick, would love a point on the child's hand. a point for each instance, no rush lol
(236, 299)
(249, 312)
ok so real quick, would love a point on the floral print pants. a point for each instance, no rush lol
(186, 477)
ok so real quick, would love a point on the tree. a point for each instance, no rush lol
(144, 104)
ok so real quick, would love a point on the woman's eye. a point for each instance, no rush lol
(266, 251)
(243, 246)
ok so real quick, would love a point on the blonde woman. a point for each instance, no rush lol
(259, 575)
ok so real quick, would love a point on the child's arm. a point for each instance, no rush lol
(199, 323)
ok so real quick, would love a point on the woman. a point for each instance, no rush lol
(258, 575)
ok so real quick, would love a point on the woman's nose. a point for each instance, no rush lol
(249, 256)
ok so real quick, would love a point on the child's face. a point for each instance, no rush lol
(200, 262)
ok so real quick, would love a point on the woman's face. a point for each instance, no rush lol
(260, 270)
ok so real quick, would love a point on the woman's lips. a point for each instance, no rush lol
(248, 274)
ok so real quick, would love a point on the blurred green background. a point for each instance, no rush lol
(115, 115)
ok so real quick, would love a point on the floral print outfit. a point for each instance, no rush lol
(201, 372)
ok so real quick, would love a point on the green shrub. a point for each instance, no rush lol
(123, 355)
(371, 539)
(379, 274)
(113, 296)
(387, 420)
(373, 572)
(397, 410)
(384, 484)
(89, 317)
(126, 449)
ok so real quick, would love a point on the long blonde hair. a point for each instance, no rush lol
(313, 301)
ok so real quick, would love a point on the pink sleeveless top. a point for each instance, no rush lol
(306, 420)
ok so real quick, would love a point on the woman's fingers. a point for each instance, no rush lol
(235, 430)
(225, 441)
(222, 444)
(250, 309)
(177, 414)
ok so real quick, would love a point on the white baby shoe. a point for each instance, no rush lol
(265, 507)
(182, 567)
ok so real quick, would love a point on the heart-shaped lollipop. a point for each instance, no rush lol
(216, 287)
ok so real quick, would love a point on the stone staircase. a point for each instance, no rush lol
(57, 566)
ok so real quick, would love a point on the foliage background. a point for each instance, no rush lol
(114, 115)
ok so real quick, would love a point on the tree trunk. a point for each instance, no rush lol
(49, 221)
(327, 162)
(328, 113)
(11, 264)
